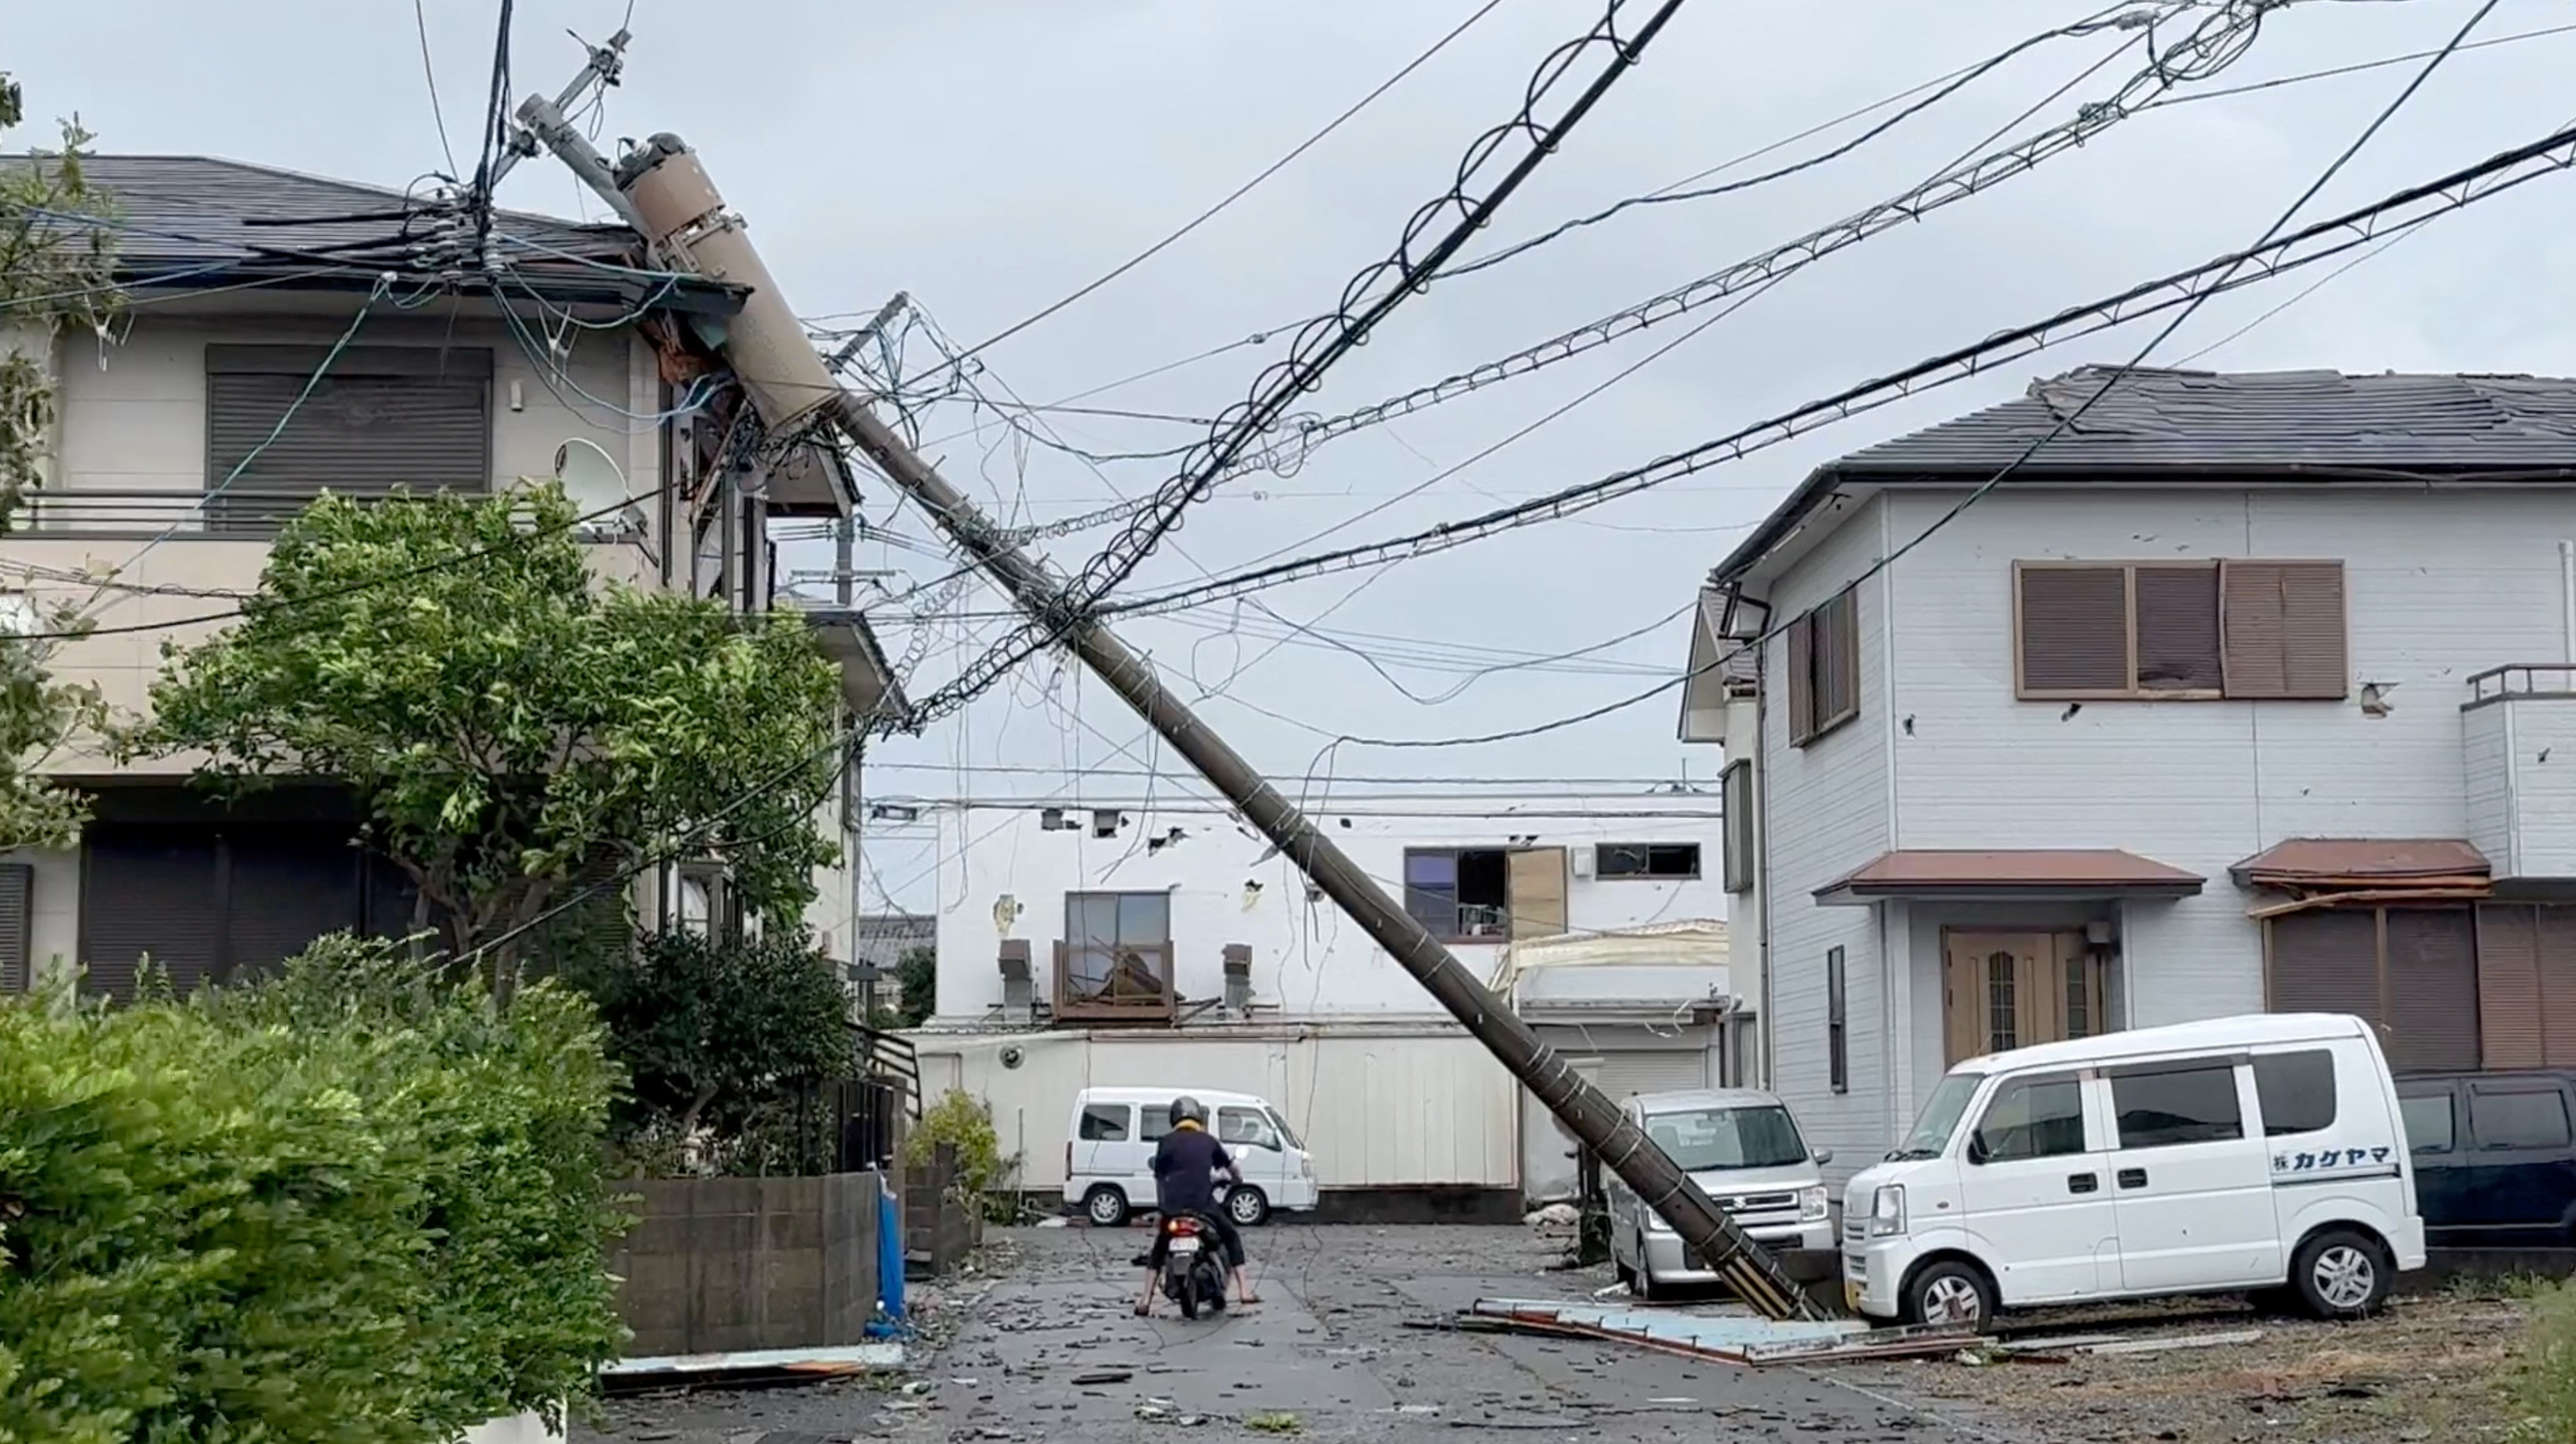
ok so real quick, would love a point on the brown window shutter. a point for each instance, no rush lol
(1802, 679)
(2178, 647)
(2509, 1001)
(2074, 629)
(2326, 961)
(2284, 628)
(2432, 991)
(17, 895)
(1844, 613)
(2554, 935)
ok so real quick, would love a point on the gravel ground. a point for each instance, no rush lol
(2429, 1371)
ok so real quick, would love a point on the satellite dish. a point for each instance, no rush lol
(590, 477)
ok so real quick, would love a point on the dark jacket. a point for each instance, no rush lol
(1186, 1163)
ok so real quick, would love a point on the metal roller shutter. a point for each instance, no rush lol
(380, 417)
(282, 891)
(17, 895)
(2432, 991)
(1652, 1070)
(148, 892)
(2326, 961)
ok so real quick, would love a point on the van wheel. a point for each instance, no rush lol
(2339, 1274)
(1105, 1206)
(1949, 1294)
(1246, 1206)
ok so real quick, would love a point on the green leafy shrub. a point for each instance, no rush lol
(961, 1119)
(349, 1204)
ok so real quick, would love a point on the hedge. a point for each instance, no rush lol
(350, 1204)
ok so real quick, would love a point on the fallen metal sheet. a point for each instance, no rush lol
(1907, 1343)
(751, 1366)
(2185, 1341)
(1730, 1338)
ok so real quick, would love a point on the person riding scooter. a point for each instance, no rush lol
(1186, 1165)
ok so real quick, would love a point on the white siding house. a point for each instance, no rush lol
(1161, 941)
(2177, 722)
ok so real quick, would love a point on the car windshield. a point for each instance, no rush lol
(1940, 1117)
(1287, 1134)
(1756, 1136)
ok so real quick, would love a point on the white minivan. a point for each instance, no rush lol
(1745, 1152)
(1109, 1153)
(2259, 1154)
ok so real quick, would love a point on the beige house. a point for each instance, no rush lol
(288, 333)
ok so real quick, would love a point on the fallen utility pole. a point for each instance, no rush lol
(682, 215)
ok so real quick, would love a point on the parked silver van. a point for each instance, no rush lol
(1745, 1151)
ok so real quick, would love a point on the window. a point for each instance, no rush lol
(380, 418)
(1118, 945)
(2412, 971)
(1824, 668)
(1238, 1127)
(2043, 1118)
(1837, 1055)
(1153, 1120)
(2169, 1107)
(1735, 794)
(1706, 1138)
(1646, 859)
(2296, 1091)
(1104, 1123)
(2532, 1119)
(2430, 1122)
(2251, 630)
(1463, 895)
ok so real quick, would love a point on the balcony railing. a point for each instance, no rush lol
(1128, 984)
(235, 514)
(2522, 679)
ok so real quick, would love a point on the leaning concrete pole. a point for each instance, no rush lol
(666, 189)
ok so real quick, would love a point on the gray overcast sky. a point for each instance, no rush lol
(990, 155)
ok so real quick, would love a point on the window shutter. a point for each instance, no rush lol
(2178, 648)
(2509, 1001)
(2284, 630)
(148, 891)
(1536, 880)
(17, 895)
(380, 417)
(1802, 679)
(284, 889)
(2432, 991)
(2326, 961)
(2074, 629)
(1842, 672)
(2554, 930)
(1735, 795)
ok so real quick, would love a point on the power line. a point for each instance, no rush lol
(429, 72)
(2354, 230)
(1212, 212)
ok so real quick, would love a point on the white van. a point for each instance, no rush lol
(2259, 1154)
(1745, 1152)
(1109, 1153)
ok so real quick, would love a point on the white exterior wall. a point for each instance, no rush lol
(1308, 960)
(2522, 795)
(2440, 586)
(1380, 1106)
(1825, 807)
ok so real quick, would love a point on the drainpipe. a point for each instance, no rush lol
(1762, 877)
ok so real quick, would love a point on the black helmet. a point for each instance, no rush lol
(1190, 1108)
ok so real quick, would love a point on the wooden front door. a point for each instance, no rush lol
(2011, 990)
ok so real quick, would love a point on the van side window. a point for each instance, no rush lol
(1153, 1120)
(2195, 1103)
(2430, 1123)
(2039, 1119)
(2296, 1091)
(1104, 1123)
(1245, 1127)
(2518, 1120)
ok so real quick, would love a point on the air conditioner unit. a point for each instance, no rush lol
(1579, 859)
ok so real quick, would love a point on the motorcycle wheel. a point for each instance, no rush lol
(1189, 1298)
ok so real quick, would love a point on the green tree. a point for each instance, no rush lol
(916, 981)
(709, 1028)
(506, 719)
(56, 271)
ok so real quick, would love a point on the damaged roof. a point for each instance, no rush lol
(2274, 425)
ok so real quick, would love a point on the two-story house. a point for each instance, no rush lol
(2240, 692)
(287, 334)
(1161, 941)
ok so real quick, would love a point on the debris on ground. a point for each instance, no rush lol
(1273, 1423)
(750, 1368)
(1723, 1335)
(1555, 1215)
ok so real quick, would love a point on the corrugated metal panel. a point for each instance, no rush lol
(2509, 999)
(1652, 1070)
(2074, 629)
(1387, 1110)
(2432, 991)
(17, 898)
